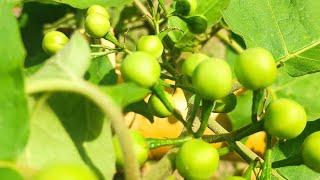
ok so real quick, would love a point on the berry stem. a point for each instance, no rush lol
(257, 99)
(230, 42)
(159, 92)
(266, 167)
(252, 165)
(193, 113)
(207, 107)
(110, 37)
(235, 135)
(155, 143)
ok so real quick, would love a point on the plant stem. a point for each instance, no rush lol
(164, 76)
(159, 92)
(108, 107)
(240, 148)
(235, 135)
(207, 107)
(161, 3)
(143, 10)
(225, 150)
(110, 37)
(230, 42)
(266, 167)
(155, 143)
(190, 120)
(250, 168)
(103, 53)
(256, 101)
(165, 64)
(187, 88)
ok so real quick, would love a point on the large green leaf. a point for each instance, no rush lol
(293, 168)
(69, 128)
(304, 90)
(82, 4)
(13, 107)
(290, 30)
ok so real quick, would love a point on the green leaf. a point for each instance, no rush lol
(102, 72)
(288, 29)
(126, 93)
(69, 128)
(140, 107)
(71, 62)
(304, 90)
(291, 149)
(9, 174)
(211, 9)
(82, 4)
(13, 107)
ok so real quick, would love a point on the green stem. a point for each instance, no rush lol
(190, 120)
(108, 107)
(207, 107)
(179, 117)
(165, 64)
(159, 92)
(257, 99)
(230, 42)
(235, 135)
(290, 161)
(143, 10)
(101, 46)
(187, 88)
(164, 76)
(103, 53)
(225, 150)
(155, 143)
(250, 168)
(266, 167)
(162, 5)
(110, 37)
(240, 148)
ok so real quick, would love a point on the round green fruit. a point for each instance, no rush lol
(196, 24)
(150, 44)
(97, 9)
(285, 119)
(53, 41)
(310, 153)
(255, 68)
(197, 160)
(141, 68)
(186, 7)
(65, 172)
(226, 104)
(140, 148)
(212, 78)
(97, 25)
(192, 62)
(158, 108)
